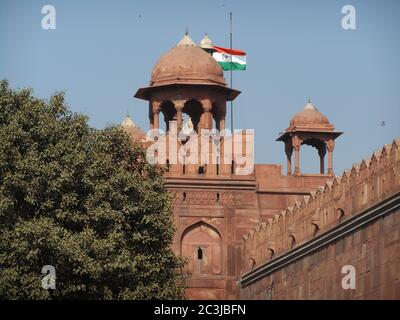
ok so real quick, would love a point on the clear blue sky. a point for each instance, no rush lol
(102, 51)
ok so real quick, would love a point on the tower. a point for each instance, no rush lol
(311, 127)
(187, 80)
(215, 205)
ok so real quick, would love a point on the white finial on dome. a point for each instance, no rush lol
(309, 105)
(186, 41)
(206, 42)
(128, 123)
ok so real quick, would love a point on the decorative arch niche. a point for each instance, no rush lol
(202, 244)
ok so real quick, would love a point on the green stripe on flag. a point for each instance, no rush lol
(226, 66)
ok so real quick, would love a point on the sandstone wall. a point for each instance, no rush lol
(352, 220)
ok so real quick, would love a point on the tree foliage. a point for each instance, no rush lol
(82, 200)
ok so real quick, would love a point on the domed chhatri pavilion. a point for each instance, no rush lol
(215, 209)
(311, 127)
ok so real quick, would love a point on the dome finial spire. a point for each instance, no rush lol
(186, 41)
(309, 105)
(187, 31)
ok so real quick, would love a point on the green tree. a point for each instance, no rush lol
(82, 200)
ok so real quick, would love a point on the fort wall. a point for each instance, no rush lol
(352, 220)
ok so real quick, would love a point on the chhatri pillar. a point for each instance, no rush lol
(330, 145)
(156, 114)
(296, 142)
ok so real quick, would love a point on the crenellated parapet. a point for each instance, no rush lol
(340, 199)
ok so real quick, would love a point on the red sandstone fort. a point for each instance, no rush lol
(269, 234)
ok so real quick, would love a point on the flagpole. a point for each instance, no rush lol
(230, 19)
(230, 43)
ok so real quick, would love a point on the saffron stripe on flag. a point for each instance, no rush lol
(234, 52)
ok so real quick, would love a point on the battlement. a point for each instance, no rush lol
(340, 199)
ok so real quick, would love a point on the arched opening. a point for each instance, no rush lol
(193, 109)
(168, 110)
(202, 243)
(307, 156)
(216, 116)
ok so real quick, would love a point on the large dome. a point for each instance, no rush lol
(188, 64)
(309, 116)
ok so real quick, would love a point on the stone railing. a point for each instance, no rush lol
(340, 199)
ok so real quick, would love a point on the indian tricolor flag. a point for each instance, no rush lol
(230, 59)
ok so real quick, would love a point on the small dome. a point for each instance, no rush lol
(134, 132)
(187, 64)
(309, 116)
(128, 123)
(206, 43)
